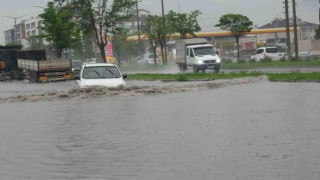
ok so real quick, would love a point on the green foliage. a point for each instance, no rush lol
(59, 27)
(252, 61)
(294, 77)
(237, 24)
(36, 42)
(101, 17)
(266, 60)
(184, 23)
(226, 61)
(155, 30)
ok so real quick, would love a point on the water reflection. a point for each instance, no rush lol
(252, 131)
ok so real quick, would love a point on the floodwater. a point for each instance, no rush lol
(248, 129)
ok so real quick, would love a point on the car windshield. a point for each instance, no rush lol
(100, 72)
(259, 51)
(200, 51)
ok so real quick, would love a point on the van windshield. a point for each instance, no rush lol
(200, 51)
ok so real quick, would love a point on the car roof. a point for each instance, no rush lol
(267, 47)
(97, 64)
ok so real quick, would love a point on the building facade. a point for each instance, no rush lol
(22, 31)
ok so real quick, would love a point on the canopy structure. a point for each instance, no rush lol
(222, 33)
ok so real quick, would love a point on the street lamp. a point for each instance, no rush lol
(15, 26)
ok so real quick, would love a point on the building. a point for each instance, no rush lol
(306, 31)
(22, 31)
(132, 23)
(10, 36)
(15, 34)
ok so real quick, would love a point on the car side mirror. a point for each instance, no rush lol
(77, 78)
(124, 76)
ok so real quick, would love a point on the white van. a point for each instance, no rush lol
(267, 52)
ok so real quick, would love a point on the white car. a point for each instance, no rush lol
(149, 58)
(100, 75)
(271, 52)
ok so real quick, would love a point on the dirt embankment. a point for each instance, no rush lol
(129, 91)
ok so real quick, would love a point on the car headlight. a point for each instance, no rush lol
(200, 62)
(218, 60)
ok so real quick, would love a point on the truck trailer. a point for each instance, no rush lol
(40, 69)
(33, 65)
(198, 54)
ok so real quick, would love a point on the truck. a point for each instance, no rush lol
(198, 54)
(32, 64)
(40, 69)
(8, 63)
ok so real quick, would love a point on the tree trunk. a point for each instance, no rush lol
(103, 53)
(238, 48)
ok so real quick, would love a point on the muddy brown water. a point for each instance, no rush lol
(243, 129)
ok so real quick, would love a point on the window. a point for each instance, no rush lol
(28, 26)
(272, 50)
(33, 25)
(259, 51)
(34, 32)
(205, 50)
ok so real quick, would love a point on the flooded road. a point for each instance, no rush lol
(244, 129)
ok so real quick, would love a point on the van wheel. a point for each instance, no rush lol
(195, 69)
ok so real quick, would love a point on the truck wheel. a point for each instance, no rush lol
(182, 67)
(195, 69)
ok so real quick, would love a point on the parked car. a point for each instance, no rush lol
(100, 75)
(148, 59)
(267, 52)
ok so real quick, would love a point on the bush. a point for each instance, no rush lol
(266, 60)
(252, 61)
(283, 59)
(226, 61)
(242, 61)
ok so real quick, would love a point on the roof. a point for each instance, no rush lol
(97, 64)
(280, 22)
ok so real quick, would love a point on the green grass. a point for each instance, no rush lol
(288, 77)
(313, 62)
(294, 76)
(135, 71)
(191, 76)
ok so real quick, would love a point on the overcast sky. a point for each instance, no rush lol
(260, 12)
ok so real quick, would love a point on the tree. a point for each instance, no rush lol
(317, 35)
(102, 17)
(183, 23)
(237, 24)
(58, 27)
(152, 29)
(36, 42)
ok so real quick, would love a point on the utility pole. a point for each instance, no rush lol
(286, 5)
(165, 38)
(296, 49)
(138, 24)
(138, 27)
